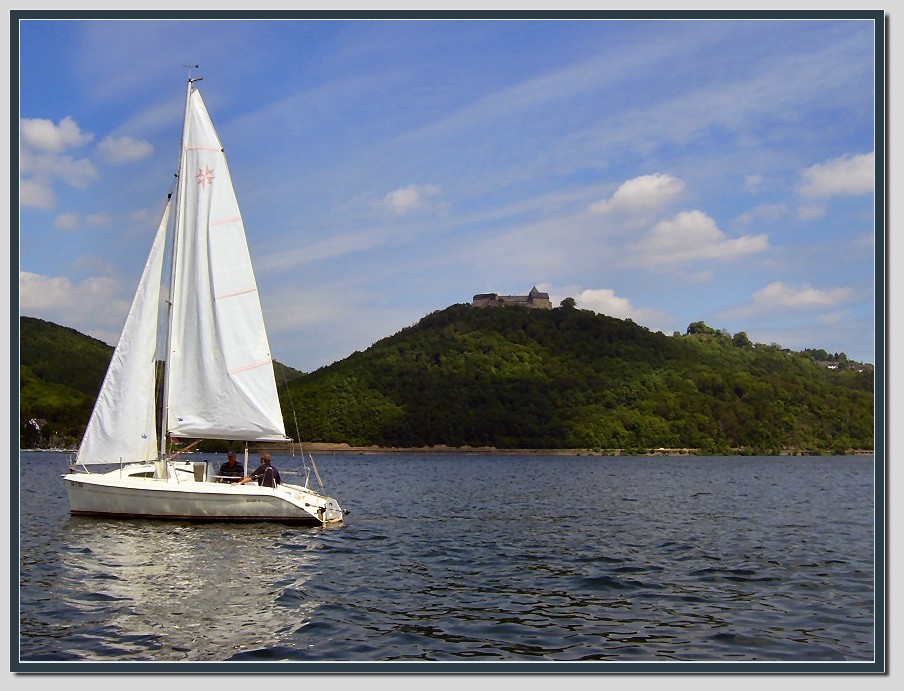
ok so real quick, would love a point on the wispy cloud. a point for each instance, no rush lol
(834, 318)
(780, 301)
(766, 212)
(782, 295)
(99, 219)
(331, 246)
(753, 183)
(328, 318)
(66, 222)
(409, 198)
(118, 150)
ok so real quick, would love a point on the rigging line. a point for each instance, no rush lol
(316, 473)
(298, 434)
(294, 416)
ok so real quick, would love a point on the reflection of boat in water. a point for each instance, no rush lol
(196, 310)
(184, 591)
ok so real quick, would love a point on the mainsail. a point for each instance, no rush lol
(219, 380)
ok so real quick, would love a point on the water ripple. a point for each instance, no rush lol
(690, 559)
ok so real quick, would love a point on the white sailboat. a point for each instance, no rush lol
(197, 311)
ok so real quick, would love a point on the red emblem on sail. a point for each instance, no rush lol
(205, 177)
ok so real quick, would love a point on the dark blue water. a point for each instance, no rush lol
(473, 558)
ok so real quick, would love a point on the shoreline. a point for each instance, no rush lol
(332, 448)
(336, 448)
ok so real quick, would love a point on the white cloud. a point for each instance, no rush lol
(43, 135)
(42, 160)
(66, 222)
(92, 306)
(782, 301)
(779, 294)
(640, 194)
(692, 236)
(404, 199)
(118, 150)
(37, 194)
(38, 292)
(844, 176)
(605, 301)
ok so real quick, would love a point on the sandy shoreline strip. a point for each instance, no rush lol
(341, 448)
(326, 448)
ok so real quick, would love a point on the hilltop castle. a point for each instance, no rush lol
(534, 299)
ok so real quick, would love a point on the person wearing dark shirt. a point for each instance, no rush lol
(265, 474)
(231, 471)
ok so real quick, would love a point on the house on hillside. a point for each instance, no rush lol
(534, 299)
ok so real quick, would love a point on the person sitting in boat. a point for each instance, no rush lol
(230, 471)
(265, 474)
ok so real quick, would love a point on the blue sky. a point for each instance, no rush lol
(664, 171)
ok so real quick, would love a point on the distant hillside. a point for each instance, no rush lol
(516, 378)
(569, 378)
(61, 371)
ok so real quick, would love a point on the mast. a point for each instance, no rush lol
(178, 218)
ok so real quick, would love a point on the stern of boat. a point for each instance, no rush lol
(325, 509)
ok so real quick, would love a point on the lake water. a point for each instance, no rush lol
(601, 563)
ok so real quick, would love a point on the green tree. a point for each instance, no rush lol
(741, 340)
(700, 328)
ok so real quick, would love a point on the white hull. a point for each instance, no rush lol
(186, 493)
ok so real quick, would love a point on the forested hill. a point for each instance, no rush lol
(517, 378)
(569, 378)
(60, 373)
